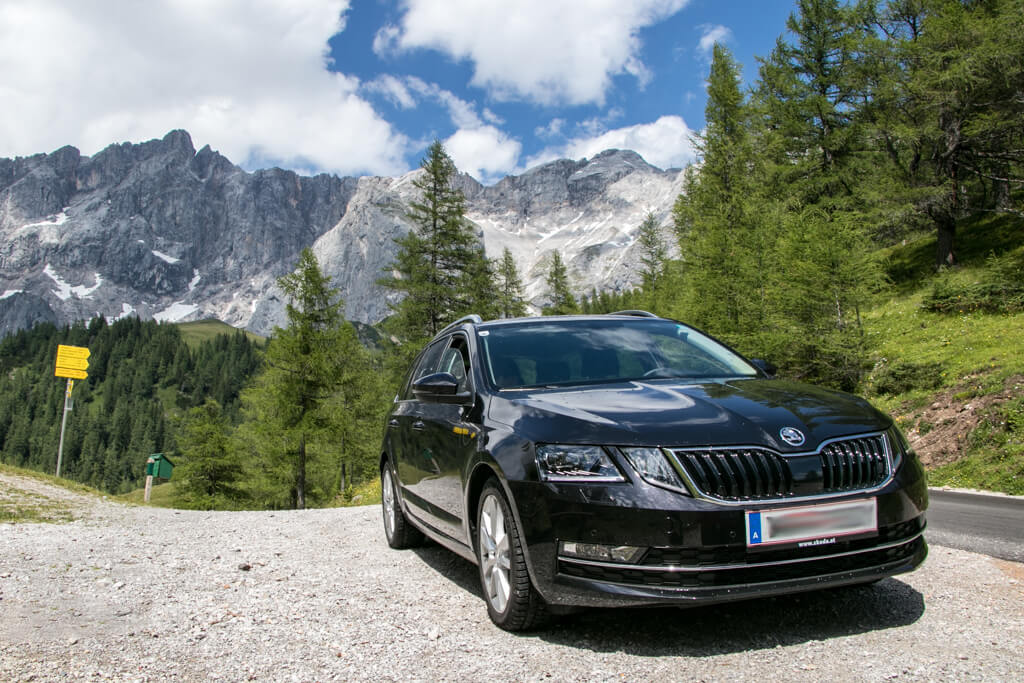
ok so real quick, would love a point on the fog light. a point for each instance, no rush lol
(627, 554)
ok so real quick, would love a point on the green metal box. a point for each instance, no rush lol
(159, 466)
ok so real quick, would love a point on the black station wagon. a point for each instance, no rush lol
(628, 460)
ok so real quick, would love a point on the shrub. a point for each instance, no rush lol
(901, 376)
(1000, 289)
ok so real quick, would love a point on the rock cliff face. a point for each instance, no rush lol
(162, 231)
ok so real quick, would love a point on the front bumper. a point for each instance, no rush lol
(696, 551)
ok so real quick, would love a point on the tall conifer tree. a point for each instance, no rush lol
(305, 364)
(440, 266)
(510, 287)
(720, 231)
(562, 300)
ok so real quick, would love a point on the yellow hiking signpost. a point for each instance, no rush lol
(72, 363)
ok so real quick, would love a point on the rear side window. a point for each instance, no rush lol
(455, 360)
(425, 365)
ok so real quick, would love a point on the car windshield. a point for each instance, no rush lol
(597, 351)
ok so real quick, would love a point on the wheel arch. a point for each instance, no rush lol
(480, 475)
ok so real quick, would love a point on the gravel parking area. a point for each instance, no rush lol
(136, 593)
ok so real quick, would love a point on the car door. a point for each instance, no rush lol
(451, 441)
(412, 456)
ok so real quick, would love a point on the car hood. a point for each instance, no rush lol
(677, 414)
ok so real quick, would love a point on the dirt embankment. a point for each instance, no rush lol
(939, 433)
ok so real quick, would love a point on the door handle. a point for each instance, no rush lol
(419, 424)
(393, 422)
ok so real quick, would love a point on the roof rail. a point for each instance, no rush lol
(637, 313)
(471, 318)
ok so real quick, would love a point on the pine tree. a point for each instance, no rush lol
(967, 73)
(828, 278)
(440, 265)
(305, 362)
(510, 288)
(562, 300)
(718, 218)
(660, 284)
(809, 90)
(209, 469)
(482, 295)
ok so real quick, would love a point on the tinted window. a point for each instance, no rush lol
(455, 360)
(596, 351)
(426, 365)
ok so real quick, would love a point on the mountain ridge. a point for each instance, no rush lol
(161, 230)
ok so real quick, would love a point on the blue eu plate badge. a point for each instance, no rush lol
(754, 528)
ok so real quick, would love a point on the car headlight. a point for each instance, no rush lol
(653, 466)
(576, 463)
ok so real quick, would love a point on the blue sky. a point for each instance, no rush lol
(362, 87)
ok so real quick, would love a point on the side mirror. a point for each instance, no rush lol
(440, 387)
(764, 366)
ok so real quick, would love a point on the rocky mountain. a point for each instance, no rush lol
(162, 231)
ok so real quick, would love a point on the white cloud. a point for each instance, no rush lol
(547, 51)
(711, 34)
(485, 153)
(393, 89)
(477, 148)
(664, 143)
(248, 78)
(462, 113)
(553, 129)
(491, 117)
(386, 40)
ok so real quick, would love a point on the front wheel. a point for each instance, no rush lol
(399, 532)
(512, 602)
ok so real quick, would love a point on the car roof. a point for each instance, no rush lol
(476, 321)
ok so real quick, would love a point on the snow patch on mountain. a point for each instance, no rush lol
(176, 312)
(65, 291)
(165, 257)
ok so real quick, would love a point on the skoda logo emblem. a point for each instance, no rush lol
(792, 436)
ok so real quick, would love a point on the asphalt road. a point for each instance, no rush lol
(978, 522)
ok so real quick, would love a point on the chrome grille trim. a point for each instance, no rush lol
(849, 464)
(853, 464)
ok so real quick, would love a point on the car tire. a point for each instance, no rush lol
(398, 531)
(512, 602)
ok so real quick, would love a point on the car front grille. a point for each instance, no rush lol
(854, 464)
(734, 474)
(759, 474)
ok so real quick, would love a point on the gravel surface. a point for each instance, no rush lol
(137, 593)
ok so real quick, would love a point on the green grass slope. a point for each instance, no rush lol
(194, 333)
(955, 380)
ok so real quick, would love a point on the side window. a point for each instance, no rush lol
(456, 361)
(426, 365)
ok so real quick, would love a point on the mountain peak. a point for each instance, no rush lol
(179, 140)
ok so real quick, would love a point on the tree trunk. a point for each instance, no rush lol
(300, 479)
(944, 255)
(1001, 188)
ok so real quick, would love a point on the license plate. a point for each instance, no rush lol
(813, 525)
